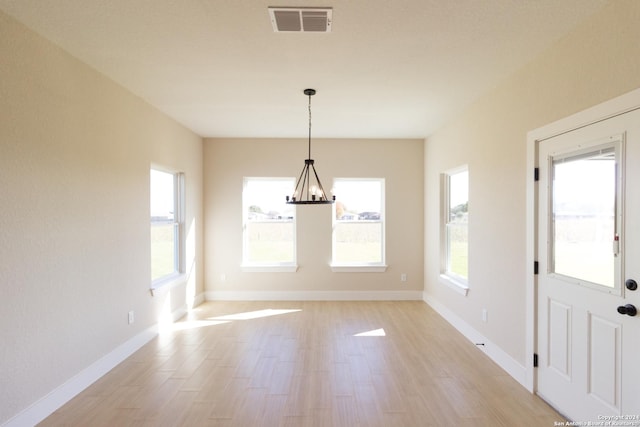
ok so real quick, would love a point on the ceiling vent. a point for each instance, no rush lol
(301, 19)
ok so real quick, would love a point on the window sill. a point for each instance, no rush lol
(456, 285)
(337, 268)
(247, 268)
(164, 285)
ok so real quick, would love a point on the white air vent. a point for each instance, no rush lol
(301, 19)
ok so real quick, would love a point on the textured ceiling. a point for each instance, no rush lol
(387, 69)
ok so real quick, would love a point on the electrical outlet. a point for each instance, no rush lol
(485, 315)
(403, 277)
(131, 317)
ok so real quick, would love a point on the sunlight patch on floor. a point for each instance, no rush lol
(193, 324)
(373, 333)
(255, 314)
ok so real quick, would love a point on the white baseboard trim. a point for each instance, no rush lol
(495, 353)
(313, 296)
(184, 309)
(197, 300)
(44, 407)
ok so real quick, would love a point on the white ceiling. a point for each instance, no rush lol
(388, 68)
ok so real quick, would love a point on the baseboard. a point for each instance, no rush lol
(313, 296)
(197, 300)
(69, 389)
(44, 407)
(495, 353)
(184, 309)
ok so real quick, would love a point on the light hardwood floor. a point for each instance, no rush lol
(320, 364)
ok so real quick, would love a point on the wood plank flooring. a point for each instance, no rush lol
(307, 364)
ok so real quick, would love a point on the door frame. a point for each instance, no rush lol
(606, 110)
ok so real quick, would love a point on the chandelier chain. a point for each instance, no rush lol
(309, 126)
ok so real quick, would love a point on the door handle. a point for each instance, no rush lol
(631, 284)
(629, 310)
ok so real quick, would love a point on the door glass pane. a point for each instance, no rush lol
(584, 201)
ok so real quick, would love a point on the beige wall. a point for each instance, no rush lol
(598, 61)
(75, 151)
(227, 161)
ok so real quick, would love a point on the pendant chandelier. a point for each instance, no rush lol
(309, 190)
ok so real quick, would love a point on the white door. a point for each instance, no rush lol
(588, 247)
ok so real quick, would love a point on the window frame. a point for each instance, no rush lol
(614, 146)
(262, 267)
(179, 243)
(447, 277)
(356, 267)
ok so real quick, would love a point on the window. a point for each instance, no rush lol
(269, 224)
(455, 228)
(358, 224)
(585, 203)
(166, 207)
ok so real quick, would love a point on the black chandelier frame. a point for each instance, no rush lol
(308, 191)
